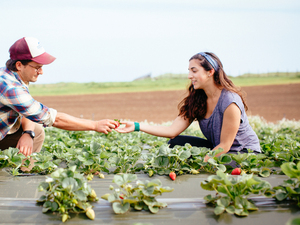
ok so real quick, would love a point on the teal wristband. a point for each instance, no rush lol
(136, 126)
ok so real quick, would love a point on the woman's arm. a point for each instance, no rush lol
(176, 128)
(230, 127)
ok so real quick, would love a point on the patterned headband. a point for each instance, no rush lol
(210, 59)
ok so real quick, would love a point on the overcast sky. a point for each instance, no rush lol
(120, 40)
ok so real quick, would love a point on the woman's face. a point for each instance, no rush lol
(198, 76)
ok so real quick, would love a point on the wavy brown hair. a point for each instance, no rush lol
(194, 105)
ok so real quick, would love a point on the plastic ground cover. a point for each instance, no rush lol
(18, 205)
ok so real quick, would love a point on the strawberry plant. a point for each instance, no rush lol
(140, 196)
(290, 189)
(66, 192)
(182, 160)
(92, 159)
(253, 163)
(11, 158)
(232, 191)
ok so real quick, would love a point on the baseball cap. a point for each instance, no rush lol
(29, 48)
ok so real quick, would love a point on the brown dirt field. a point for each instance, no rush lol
(272, 102)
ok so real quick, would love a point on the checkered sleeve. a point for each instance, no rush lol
(19, 99)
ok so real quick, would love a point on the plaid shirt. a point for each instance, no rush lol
(15, 102)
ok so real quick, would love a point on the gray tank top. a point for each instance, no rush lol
(211, 127)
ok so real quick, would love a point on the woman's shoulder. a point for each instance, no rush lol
(229, 97)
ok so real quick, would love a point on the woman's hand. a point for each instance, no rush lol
(206, 158)
(129, 127)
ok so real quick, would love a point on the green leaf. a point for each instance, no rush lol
(154, 182)
(120, 208)
(185, 155)
(206, 185)
(166, 189)
(124, 179)
(221, 167)
(251, 206)
(294, 221)
(148, 191)
(57, 173)
(195, 151)
(225, 159)
(149, 201)
(265, 172)
(230, 209)
(81, 195)
(209, 198)
(290, 169)
(280, 195)
(224, 201)
(161, 161)
(219, 210)
(138, 206)
(153, 209)
(69, 183)
(43, 198)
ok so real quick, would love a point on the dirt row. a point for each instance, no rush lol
(272, 102)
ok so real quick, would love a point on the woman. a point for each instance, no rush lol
(216, 104)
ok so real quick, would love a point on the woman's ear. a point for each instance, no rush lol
(211, 72)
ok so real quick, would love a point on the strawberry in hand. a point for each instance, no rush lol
(118, 121)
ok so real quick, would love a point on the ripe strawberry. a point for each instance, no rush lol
(172, 175)
(118, 121)
(236, 171)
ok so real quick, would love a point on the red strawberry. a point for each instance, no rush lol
(236, 171)
(172, 175)
(118, 121)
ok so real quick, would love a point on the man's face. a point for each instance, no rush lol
(30, 72)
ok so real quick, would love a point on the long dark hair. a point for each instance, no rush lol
(194, 105)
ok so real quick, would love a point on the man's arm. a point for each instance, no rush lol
(68, 122)
(25, 143)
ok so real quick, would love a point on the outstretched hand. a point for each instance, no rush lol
(129, 127)
(106, 126)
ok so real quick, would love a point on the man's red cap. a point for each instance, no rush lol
(28, 48)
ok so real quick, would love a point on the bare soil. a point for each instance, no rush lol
(272, 102)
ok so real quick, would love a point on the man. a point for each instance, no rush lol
(22, 117)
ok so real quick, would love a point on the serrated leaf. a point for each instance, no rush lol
(120, 208)
(219, 210)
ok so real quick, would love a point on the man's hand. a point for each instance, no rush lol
(25, 145)
(106, 126)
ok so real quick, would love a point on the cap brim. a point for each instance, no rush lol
(44, 59)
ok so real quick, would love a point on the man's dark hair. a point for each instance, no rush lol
(11, 64)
